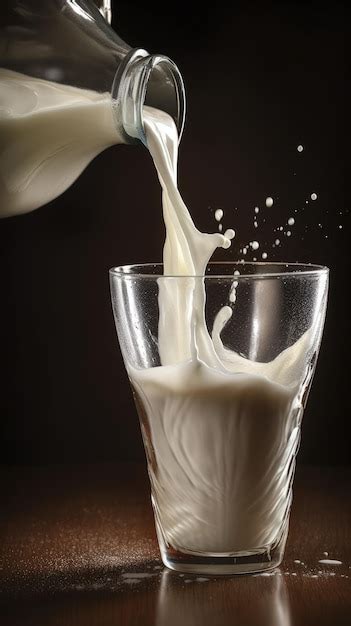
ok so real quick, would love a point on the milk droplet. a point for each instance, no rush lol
(219, 214)
(232, 295)
(288, 233)
(254, 258)
(313, 196)
(230, 233)
(257, 210)
(326, 553)
(255, 224)
(277, 242)
(244, 250)
(220, 227)
(264, 255)
(255, 245)
(269, 202)
(236, 273)
(291, 221)
(330, 562)
(340, 226)
(300, 148)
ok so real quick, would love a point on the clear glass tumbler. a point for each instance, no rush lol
(221, 438)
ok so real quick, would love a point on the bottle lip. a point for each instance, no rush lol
(130, 89)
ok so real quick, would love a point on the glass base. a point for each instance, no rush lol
(262, 560)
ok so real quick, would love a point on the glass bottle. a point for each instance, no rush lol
(69, 88)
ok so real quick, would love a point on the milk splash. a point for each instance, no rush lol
(221, 431)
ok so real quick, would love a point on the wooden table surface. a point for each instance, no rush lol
(78, 547)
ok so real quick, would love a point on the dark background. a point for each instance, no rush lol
(261, 79)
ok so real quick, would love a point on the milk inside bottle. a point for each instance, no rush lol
(69, 88)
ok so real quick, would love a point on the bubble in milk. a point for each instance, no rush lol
(218, 214)
(291, 221)
(314, 196)
(300, 148)
(269, 202)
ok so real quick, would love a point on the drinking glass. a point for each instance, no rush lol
(221, 439)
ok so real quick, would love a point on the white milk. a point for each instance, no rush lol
(48, 134)
(221, 431)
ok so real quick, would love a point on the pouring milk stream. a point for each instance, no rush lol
(223, 429)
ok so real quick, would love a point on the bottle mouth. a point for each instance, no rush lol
(152, 80)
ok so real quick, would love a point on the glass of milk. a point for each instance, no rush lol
(220, 367)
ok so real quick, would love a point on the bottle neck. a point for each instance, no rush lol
(146, 79)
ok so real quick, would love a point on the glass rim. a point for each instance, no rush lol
(291, 269)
